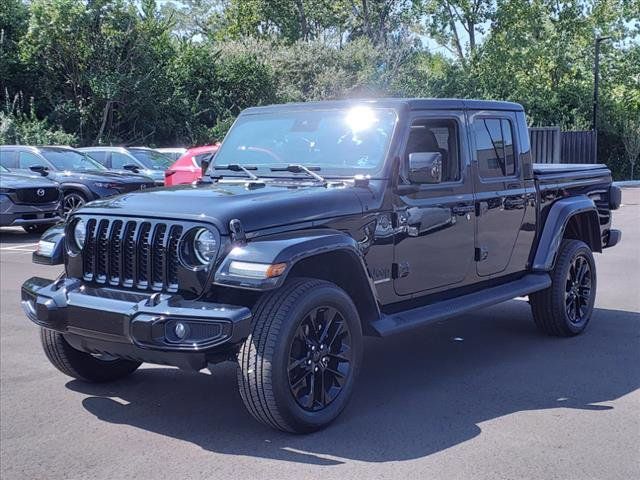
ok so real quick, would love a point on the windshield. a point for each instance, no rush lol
(71, 160)
(342, 141)
(151, 159)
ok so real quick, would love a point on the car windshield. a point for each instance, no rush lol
(344, 141)
(71, 160)
(151, 159)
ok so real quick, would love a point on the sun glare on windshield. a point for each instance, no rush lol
(360, 118)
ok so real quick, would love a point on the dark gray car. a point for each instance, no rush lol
(145, 161)
(29, 201)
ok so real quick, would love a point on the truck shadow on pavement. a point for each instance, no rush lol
(418, 393)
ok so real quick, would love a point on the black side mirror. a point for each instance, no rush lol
(132, 168)
(204, 166)
(425, 167)
(41, 169)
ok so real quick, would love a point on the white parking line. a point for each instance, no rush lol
(28, 247)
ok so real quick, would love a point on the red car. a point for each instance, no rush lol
(188, 167)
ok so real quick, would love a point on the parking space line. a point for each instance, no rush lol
(20, 248)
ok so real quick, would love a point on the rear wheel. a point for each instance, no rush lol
(36, 228)
(298, 366)
(82, 365)
(565, 308)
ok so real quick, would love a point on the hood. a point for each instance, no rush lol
(98, 176)
(257, 208)
(16, 180)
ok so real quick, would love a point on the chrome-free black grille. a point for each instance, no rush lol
(37, 195)
(132, 253)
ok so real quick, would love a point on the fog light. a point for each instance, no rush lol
(180, 330)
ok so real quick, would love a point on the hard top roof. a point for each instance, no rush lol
(397, 103)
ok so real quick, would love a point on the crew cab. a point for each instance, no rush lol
(320, 223)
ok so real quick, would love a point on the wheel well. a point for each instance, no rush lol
(586, 227)
(66, 191)
(342, 268)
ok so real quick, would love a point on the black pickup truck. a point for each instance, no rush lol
(321, 223)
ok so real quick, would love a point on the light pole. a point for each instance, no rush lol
(596, 78)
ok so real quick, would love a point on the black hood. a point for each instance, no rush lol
(17, 180)
(257, 208)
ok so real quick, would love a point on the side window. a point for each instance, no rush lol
(437, 135)
(28, 159)
(119, 160)
(198, 158)
(98, 156)
(8, 158)
(494, 147)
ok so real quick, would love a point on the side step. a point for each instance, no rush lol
(417, 317)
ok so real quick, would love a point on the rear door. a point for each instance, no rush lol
(500, 190)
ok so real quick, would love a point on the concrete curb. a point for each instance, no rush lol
(627, 183)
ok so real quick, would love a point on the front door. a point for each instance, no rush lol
(436, 223)
(500, 190)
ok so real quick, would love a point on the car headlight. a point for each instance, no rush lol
(80, 233)
(205, 245)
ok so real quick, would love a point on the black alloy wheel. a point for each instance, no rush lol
(319, 358)
(578, 290)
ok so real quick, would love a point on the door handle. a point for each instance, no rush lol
(513, 186)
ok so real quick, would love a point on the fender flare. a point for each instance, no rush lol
(554, 228)
(305, 249)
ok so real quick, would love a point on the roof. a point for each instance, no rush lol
(397, 103)
(36, 148)
(107, 148)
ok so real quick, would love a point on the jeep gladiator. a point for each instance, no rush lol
(321, 223)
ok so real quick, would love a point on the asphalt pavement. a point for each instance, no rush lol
(479, 396)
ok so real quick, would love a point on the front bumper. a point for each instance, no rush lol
(134, 325)
(14, 214)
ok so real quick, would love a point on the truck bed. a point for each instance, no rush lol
(570, 174)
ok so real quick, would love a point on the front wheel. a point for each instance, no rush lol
(82, 365)
(564, 309)
(72, 201)
(297, 368)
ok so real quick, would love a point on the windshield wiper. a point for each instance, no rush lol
(235, 167)
(297, 168)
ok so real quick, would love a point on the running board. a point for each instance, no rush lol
(389, 324)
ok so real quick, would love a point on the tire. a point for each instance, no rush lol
(72, 201)
(281, 330)
(565, 308)
(37, 228)
(81, 365)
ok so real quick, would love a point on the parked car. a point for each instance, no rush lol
(29, 201)
(188, 168)
(174, 153)
(142, 160)
(81, 178)
(324, 222)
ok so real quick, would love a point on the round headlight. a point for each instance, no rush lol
(80, 233)
(205, 245)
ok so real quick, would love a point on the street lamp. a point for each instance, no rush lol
(596, 78)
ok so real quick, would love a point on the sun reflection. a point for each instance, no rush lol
(360, 118)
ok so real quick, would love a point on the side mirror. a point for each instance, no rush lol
(132, 168)
(425, 167)
(204, 166)
(41, 169)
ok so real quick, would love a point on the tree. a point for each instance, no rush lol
(631, 141)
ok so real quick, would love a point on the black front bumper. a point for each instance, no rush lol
(134, 325)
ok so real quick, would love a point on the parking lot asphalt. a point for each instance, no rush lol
(479, 396)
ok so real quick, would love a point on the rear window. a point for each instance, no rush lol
(494, 147)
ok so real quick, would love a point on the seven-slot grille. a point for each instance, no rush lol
(37, 195)
(139, 254)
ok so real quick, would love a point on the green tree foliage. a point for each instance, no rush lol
(179, 71)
